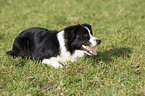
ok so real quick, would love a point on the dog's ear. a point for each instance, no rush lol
(71, 31)
(70, 34)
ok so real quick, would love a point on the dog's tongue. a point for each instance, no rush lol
(91, 50)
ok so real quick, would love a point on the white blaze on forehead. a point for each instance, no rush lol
(92, 38)
(88, 30)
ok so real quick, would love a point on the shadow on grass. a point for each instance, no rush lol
(106, 56)
(21, 62)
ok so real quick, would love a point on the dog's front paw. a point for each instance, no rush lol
(55, 64)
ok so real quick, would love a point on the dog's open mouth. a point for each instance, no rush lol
(90, 50)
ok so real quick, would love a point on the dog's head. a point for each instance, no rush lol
(80, 37)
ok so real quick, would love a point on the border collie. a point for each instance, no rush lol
(55, 47)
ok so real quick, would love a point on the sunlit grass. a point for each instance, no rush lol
(118, 69)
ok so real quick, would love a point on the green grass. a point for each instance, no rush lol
(117, 70)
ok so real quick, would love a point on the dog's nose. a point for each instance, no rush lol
(98, 41)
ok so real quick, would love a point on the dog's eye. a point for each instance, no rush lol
(85, 35)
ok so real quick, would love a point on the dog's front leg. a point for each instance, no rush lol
(53, 63)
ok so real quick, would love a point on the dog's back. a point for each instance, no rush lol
(31, 40)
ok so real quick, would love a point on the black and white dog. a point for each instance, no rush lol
(53, 47)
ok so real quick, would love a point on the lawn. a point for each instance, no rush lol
(117, 70)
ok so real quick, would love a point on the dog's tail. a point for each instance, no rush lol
(10, 53)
